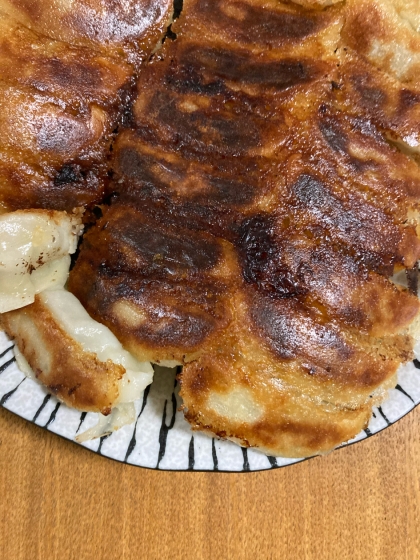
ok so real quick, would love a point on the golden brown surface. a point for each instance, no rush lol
(259, 202)
(264, 183)
(268, 372)
(66, 79)
(130, 28)
(76, 377)
(357, 503)
(387, 33)
(162, 290)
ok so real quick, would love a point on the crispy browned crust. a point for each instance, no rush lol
(286, 422)
(130, 29)
(263, 191)
(309, 362)
(65, 83)
(266, 126)
(165, 291)
(75, 376)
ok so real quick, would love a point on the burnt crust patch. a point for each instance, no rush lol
(154, 286)
(261, 259)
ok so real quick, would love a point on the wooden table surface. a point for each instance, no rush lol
(61, 501)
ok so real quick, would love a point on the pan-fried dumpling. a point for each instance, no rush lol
(130, 28)
(78, 359)
(261, 188)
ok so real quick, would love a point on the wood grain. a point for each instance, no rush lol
(58, 500)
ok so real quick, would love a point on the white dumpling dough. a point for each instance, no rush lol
(35, 249)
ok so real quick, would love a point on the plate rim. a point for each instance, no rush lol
(189, 470)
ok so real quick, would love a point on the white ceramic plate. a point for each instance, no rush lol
(161, 438)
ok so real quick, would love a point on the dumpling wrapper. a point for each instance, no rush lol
(35, 249)
(76, 358)
(58, 343)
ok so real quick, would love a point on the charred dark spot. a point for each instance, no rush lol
(363, 225)
(290, 332)
(261, 259)
(76, 75)
(276, 329)
(200, 213)
(173, 327)
(228, 191)
(135, 166)
(126, 94)
(179, 314)
(97, 212)
(186, 79)
(155, 249)
(408, 99)
(178, 5)
(371, 96)
(319, 201)
(333, 134)
(312, 193)
(262, 26)
(171, 252)
(56, 389)
(413, 279)
(74, 389)
(69, 173)
(257, 245)
(242, 68)
(158, 177)
(199, 132)
(169, 34)
(354, 316)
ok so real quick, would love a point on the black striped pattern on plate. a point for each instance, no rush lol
(160, 438)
